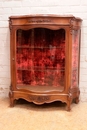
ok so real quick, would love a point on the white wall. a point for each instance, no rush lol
(23, 7)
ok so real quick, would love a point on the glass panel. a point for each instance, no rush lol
(40, 57)
(75, 78)
(75, 58)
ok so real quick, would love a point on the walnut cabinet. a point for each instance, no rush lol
(45, 58)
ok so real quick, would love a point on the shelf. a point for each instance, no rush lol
(29, 47)
(41, 89)
(40, 69)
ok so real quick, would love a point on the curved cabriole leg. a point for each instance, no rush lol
(68, 106)
(77, 100)
(69, 101)
(11, 99)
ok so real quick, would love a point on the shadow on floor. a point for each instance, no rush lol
(57, 105)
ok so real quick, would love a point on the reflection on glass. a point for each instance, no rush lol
(41, 57)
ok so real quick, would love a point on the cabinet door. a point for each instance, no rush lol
(75, 58)
(40, 59)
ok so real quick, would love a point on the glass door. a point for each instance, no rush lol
(40, 59)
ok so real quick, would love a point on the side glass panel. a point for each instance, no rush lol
(75, 58)
(40, 59)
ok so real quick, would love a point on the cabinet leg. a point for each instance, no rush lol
(69, 101)
(11, 99)
(68, 108)
(77, 100)
(11, 103)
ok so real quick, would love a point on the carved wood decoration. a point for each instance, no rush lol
(45, 51)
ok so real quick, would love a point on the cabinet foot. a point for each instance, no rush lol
(68, 108)
(69, 101)
(77, 100)
(11, 103)
(11, 99)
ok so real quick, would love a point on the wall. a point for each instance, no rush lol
(24, 7)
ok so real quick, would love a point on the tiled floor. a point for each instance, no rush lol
(27, 116)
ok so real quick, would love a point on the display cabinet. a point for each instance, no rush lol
(45, 58)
